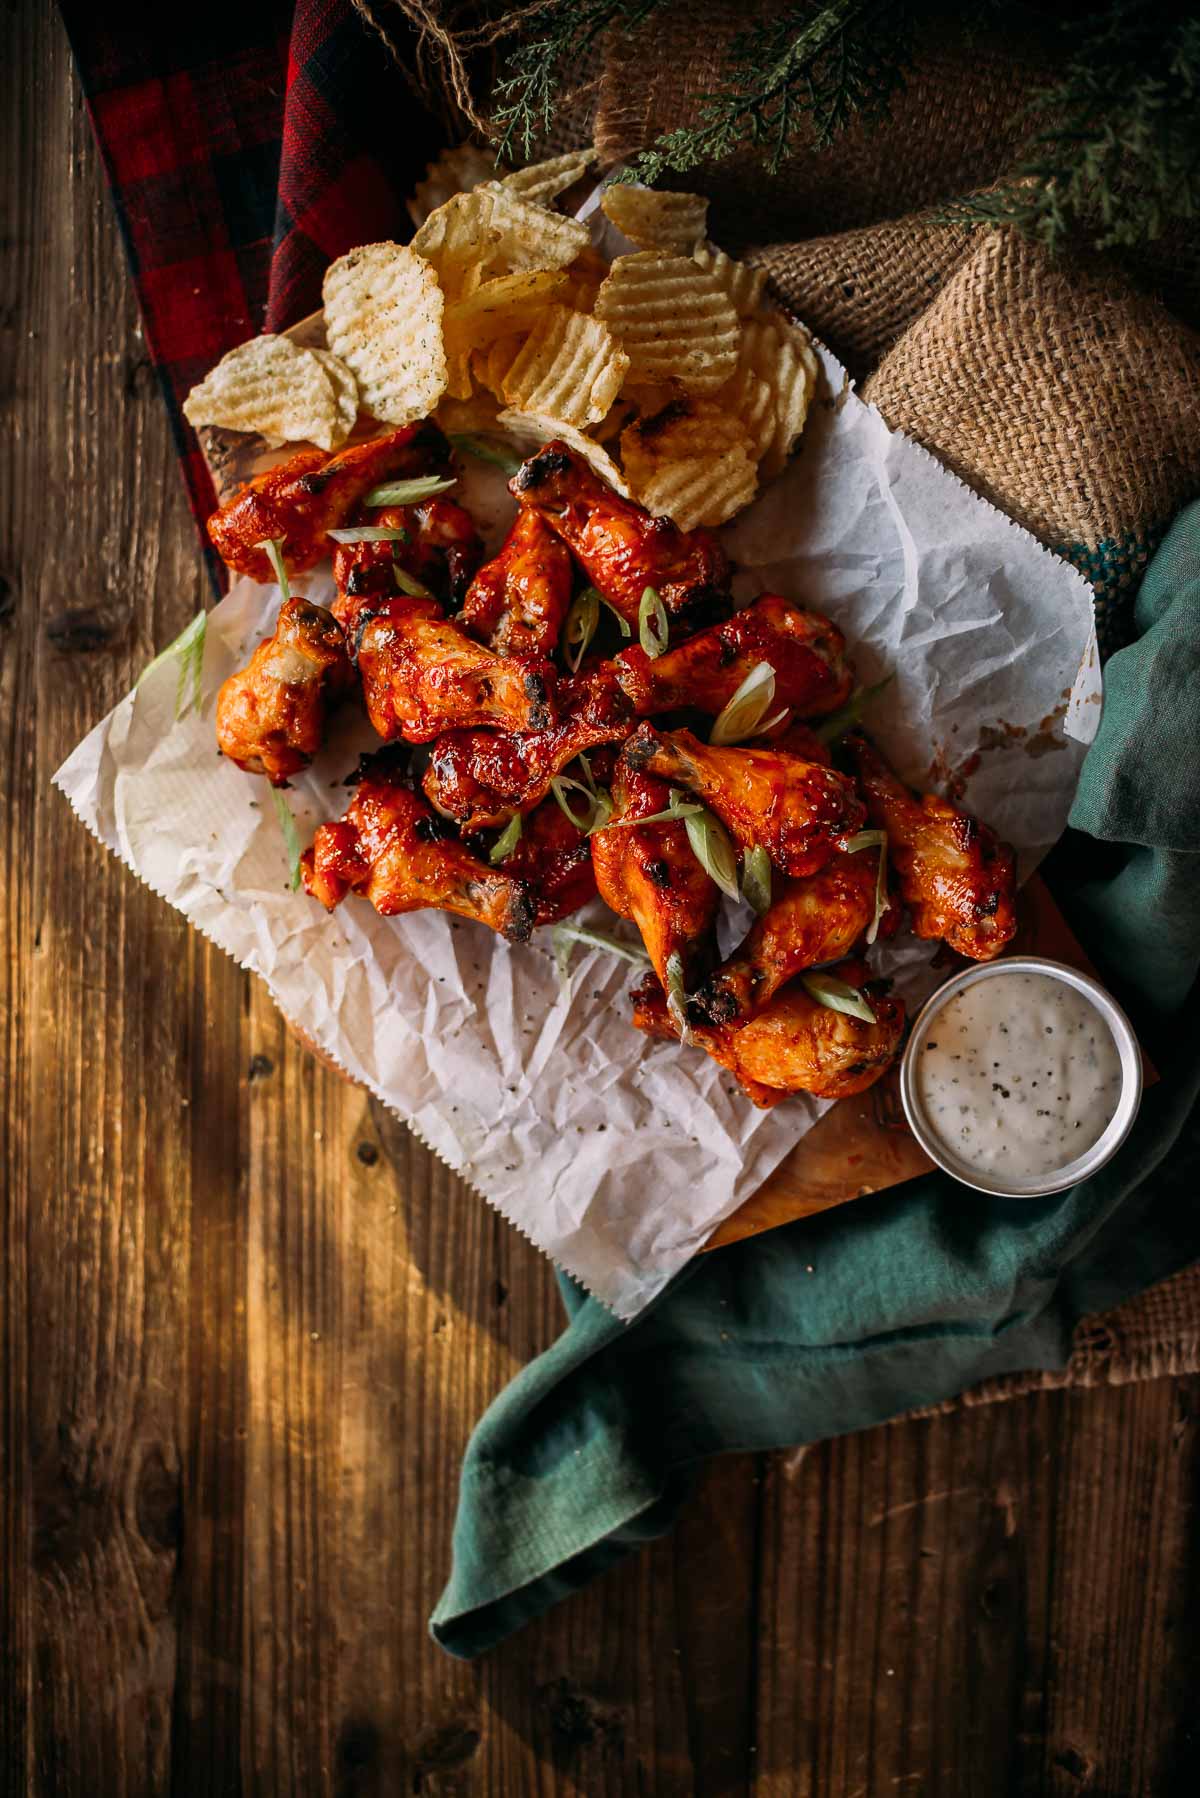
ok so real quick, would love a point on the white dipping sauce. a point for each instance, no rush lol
(1018, 1075)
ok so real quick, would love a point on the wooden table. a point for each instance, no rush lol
(240, 1355)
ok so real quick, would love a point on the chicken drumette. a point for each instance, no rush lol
(955, 875)
(795, 1044)
(767, 798)
(622, 548)
(648, 874)
(555, 857)
(422, 675)
(807, 652)
(518, 601)
(441, 548)
(301, 500)
(393, 850)
(271, 714)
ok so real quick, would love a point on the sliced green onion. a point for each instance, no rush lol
(677, 998)
(508, 839)
(370, 533)
(626, 627)
(486, 449)
(653, 630)
(839, 722)
(188, 651)
(873, 839)
(837, 996)
(713, 850)
(291, 836)
(407, 493)
(603, 812)
(408, 583)
(564, 937)
(744, 714)
(599, 805)
(580, 627)
(680, 807)
(756, 878)
(272, 548)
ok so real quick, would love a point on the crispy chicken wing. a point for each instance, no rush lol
(807, 652)
(955, 875)
(649, 875)
(622, 547)
(313, 493)
(271, 714)
(518, 602)
(556, 860)
(423, 675)
(795, 1044)
(818, 919)
(443, 551)
(480, 777)
(795, 810)
(393, 850)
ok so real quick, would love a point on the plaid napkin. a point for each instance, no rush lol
(246, 147)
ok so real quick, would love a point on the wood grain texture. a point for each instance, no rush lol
(246, 1323)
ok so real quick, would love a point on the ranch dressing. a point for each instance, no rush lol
(1018, 1075)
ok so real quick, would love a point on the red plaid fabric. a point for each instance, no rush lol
(246, 146)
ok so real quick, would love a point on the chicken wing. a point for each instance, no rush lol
(807, 652)
(621, 546)
(556, 860)
(443, 550)
(766, 798)
(480, 777)
(271, 714)
(313, 493)
(795, 1044)
(393, 850)
(648, 874)
(955, 875)
(422, 675)
(517, 603)
(818, 919)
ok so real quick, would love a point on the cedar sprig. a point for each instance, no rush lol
(529, 91)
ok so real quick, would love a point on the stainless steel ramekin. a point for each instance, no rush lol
(1102, 1149)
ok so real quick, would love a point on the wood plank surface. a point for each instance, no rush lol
(242, 1346)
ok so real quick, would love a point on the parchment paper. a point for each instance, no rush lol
(617, 1156)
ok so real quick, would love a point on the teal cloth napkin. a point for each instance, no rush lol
(840, 1321)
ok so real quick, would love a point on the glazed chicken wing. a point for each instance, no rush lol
(271, 714)
(795, 1044)
(313, 493)
(955, 874)
(622, 548)
(442, 551)
(423, 675)
(393, 850)
(517, 603)
(480, 777)
(555, 859)
(648, 874)
(766, 798)
(818, 919)
(807, 652)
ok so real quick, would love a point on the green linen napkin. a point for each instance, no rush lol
(841, 1321)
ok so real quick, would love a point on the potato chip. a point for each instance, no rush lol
(749, 397)
(468, 417)
(672, 318)
(656, 220)
(345, 393)
(455, 171)
(546, 180)
(585, 276)
(531, 236)
(743, 284)
(570, 368)
(490, 364)
(685, 427)
(271, 386)
(781, 354)
(383, 317)
(700, 490)
(459, 241)
(530, 430)
(509, 303)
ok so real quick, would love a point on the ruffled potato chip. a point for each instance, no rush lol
(586, 275)
(271, 386)
(546, 180)
(672, 318)
(569, 368)
(693, 462)
(491, 364)
(530, 430)
(458, 240)
(781, 354)
(743, 284)
(683, 428)
(345, 393)
(454, 171)
(656, 220)
(749, 397)
(530, 236)
(383, 318)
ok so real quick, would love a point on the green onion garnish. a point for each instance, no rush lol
(188, 651)
(743, 716)
(408, 583)
(626, 627)
(837, 996)
(756, 878)
(870, 839)
(507, 841)
(487, 450)
(407, 493)
(679, 808)
(291, 837)
(370, 533)
(272, 548)
(713, 850)
(839, 722)
(653, 629)
(598, 805)
(580, 627)
(564, 937)
(677, 998)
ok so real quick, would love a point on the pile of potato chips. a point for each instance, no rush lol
(666, 369)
